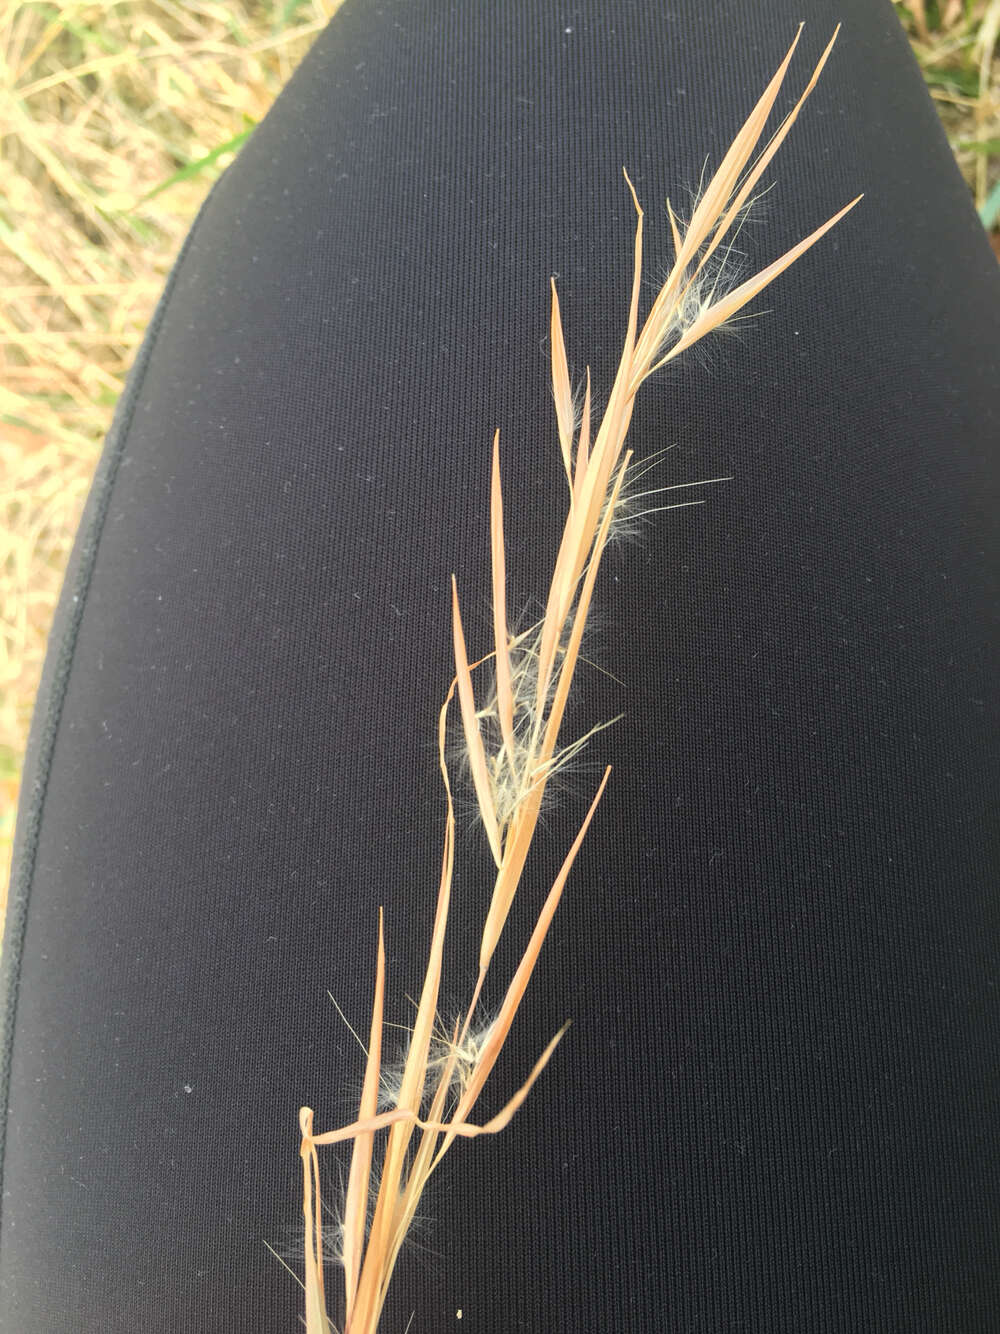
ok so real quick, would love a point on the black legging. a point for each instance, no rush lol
(773, 1112)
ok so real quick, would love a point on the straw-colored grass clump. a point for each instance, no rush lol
(511, 728)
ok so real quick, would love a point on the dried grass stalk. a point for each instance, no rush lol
(512, 746)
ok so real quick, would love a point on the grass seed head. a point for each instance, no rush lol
(511, 737)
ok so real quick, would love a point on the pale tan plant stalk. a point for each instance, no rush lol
(511, 742)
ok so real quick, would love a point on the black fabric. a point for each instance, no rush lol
(776, 1109)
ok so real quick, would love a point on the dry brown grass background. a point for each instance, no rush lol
(116, 118)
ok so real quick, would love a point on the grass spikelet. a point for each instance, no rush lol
(512, 702)
(473, 734)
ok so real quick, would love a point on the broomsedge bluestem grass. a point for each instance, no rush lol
(512, 747)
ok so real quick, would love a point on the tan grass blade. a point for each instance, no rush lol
(317, 1321)
(368, 1125)
(722, 184)
(515, 854)
(505, 693)
(463, 1129)
(583, 518)
(760, 166)
(473, 736)
(708, 210)
(561, 389)
(583, 443)
(504, 1117)
(674, 232)
(414, 1072)
(614, 425)
(356, 1201)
